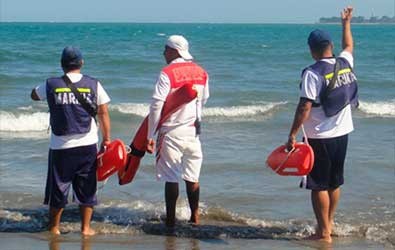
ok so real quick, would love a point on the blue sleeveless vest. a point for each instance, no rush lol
(345, 90)
(67, 116)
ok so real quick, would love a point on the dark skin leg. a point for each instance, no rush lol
(54, 220)
(171, 195)
(193, 191)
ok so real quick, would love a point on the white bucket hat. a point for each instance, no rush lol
(180, 44)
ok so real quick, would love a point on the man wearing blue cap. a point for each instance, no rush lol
(74, 100)
(328, 91)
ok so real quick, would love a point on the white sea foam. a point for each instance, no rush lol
(240, 111)
(141, 109)
(20, 122)
(15, 216)
(381, 109)
(119, 217)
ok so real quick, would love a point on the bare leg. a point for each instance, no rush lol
(54, 219)
(86, 216)
(320, 201)
(334, 196)
(171, 196)
(193, 191)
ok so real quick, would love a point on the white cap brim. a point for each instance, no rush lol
(185, 54)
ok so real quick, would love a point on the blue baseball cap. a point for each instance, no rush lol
(319, 39)
(71, 57)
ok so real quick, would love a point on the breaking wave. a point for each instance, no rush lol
(241, 111)
(37, 121)
(139, 217)
(140, 109)
(380, 109)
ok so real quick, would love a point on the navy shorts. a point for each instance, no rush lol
(329, 156)
(76, 167)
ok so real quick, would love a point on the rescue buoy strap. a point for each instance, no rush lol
(136, 152)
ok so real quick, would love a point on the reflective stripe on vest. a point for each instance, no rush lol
(63, 90)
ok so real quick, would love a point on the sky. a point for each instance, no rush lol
(180, 11)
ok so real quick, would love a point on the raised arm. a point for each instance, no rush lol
(347, 41)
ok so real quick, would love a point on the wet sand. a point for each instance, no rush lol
(25, 241)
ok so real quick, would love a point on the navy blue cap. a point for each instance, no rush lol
(71, 56)
(319, 39)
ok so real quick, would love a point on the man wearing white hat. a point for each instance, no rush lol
(179, 152)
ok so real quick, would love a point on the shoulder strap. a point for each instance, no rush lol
(332, 82)
(89, 107)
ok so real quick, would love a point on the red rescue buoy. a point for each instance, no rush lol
(111, 160)
(298, 162)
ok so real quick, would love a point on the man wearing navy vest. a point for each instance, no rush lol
(179, 153)
(326, 123)
(74, 138)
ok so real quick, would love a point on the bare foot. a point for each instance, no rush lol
(194, 219)
(316, 237)
(54, 230)
(88, 232)
(333, 233)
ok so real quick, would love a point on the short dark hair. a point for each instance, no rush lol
(70, 67)
(319, 50)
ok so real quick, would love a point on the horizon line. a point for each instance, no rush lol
(155, 22)
(205, 23)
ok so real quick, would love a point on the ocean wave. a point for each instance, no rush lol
(132, 218)
(141, 109)
(241, 111)
(380, 109)
(21, 122)
(24, 120)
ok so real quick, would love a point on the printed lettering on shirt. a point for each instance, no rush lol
(344, 77)
(188, 73)
(64, 96)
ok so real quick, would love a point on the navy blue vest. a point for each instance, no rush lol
(345, 90)
(67, 116)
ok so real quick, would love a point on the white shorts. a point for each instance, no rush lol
(178, 157)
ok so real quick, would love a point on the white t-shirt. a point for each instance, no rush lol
(318, 125)
(183, 118)
(77, 140)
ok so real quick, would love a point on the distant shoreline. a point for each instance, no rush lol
(360, 20)
(339, 23)
(186, 23)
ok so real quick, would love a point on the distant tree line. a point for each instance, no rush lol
(360, 19)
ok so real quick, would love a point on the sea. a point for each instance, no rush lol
(254, 72)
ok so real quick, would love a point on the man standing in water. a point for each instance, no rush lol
(327, 125)
(179, 152)
(73, 143)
